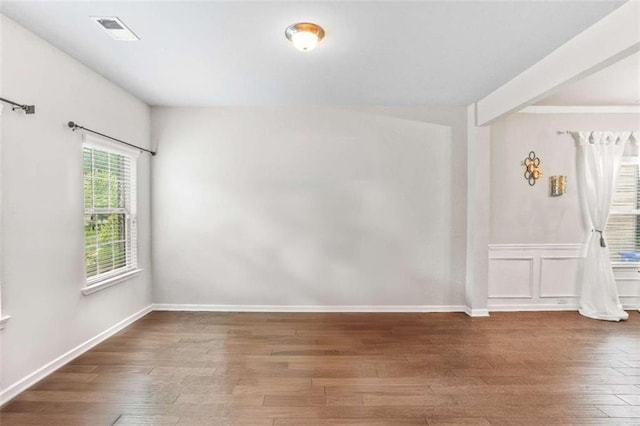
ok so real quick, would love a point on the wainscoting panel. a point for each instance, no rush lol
(629, 288)
(546, 277)
(511, 278)
(559, 276)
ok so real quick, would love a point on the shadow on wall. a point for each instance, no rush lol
(332, 209)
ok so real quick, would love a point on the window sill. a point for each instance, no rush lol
(3, 321)
(90, 289)
(626, 265)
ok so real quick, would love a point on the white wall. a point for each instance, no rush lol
(535, 238)
(521, 214)
(42, 210)
(309, 206)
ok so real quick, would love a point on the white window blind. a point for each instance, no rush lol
(623, 227)
(109, 213)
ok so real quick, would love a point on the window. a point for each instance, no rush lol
(109, 212)
(623, 228)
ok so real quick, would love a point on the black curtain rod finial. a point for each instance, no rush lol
(28, 109)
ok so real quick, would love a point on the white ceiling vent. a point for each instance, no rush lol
(115, 28)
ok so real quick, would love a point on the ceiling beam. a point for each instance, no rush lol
(608, 41)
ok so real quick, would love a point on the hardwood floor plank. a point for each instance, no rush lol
(468, 421)
(631, 371)
(130, 420)
(347, 369)
(218, 421)
(221, 399)
(568, 399)
(386, 400)
(42, 419)
(620, 411)
(349, 422)
(295, 400)
(166, 396)
(630, 399)
(539, 389)
(561, 421)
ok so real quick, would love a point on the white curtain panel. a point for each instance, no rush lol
(599, 160)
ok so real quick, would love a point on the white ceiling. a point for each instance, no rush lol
(235, 52)
(618, 84)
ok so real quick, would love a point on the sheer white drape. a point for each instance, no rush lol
(599, 158)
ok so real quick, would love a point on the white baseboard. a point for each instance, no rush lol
(320, 308)
(3, 321)
(533, 307)
(548, 307)
(12, 391)
(476, 312)
(306, 308)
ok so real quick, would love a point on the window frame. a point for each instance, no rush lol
(3, 318)
(116, 276)
(626, 161)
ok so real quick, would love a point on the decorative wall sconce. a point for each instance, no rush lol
(533, 170)
(558, 185)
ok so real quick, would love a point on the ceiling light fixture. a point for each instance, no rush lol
(304, 35)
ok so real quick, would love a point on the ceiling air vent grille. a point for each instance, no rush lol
(115, 28)
(110, 24)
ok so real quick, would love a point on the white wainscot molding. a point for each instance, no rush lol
(545, 277)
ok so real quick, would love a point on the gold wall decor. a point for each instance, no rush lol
(558, 185)
(532, 168)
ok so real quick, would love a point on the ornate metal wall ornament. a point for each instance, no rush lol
(533, 170)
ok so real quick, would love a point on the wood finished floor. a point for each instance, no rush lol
(354, 369)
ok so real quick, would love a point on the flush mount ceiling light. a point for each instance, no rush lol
(115, 28)
(304, 35)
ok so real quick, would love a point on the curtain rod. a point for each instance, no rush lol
(28, 109)
(75, 126)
